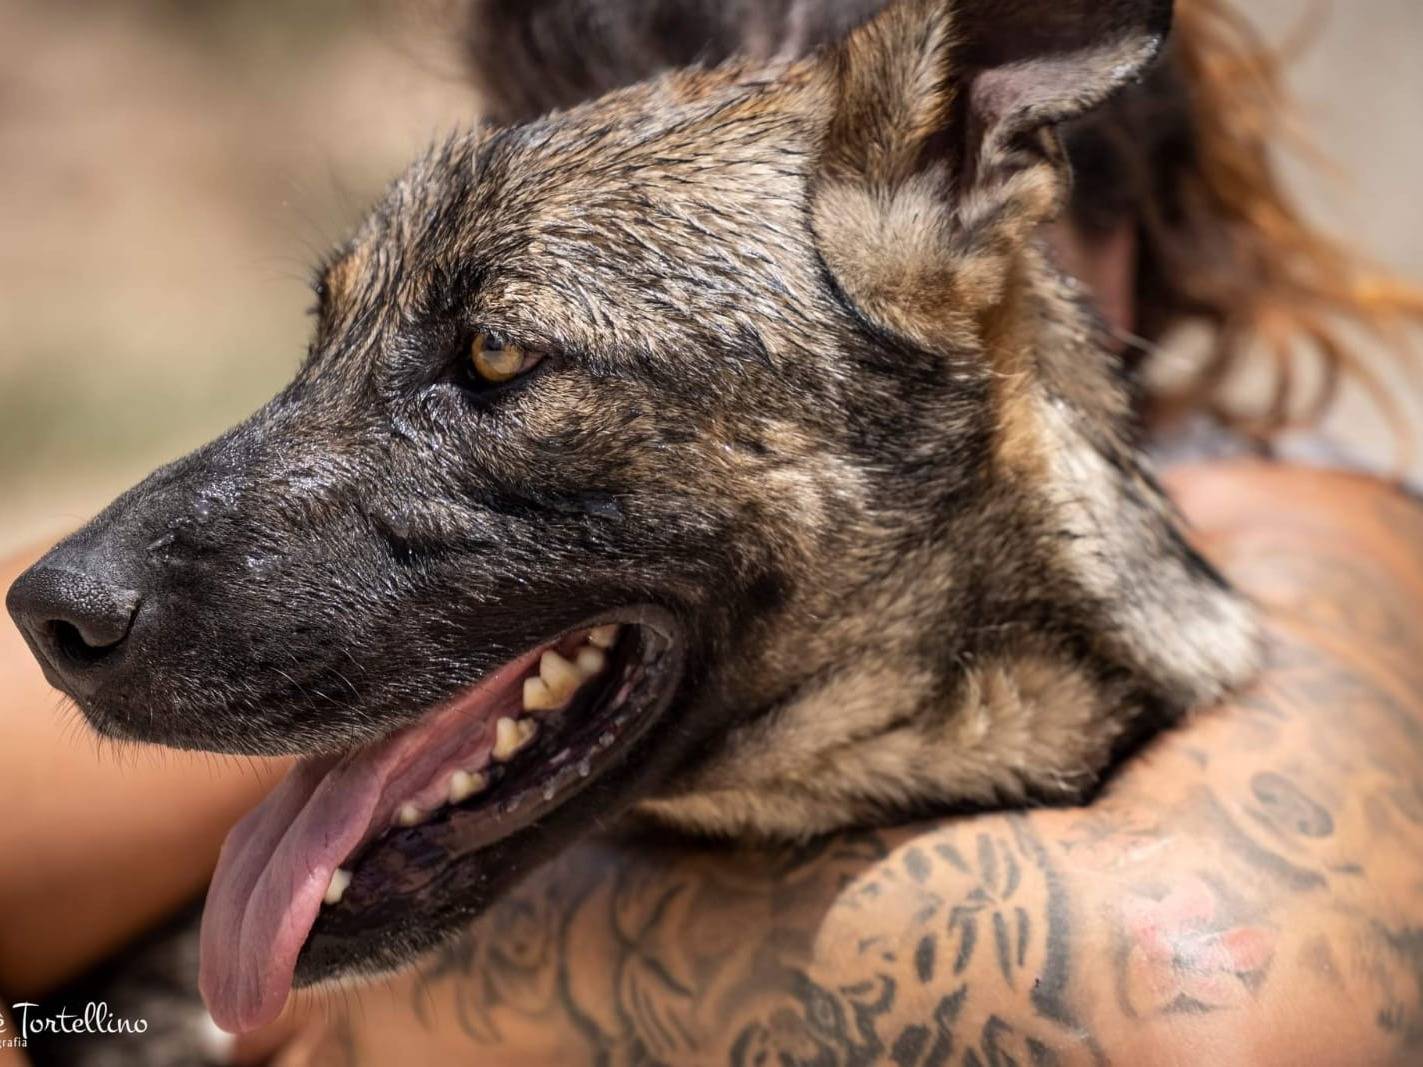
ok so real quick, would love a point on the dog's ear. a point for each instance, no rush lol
(938, 157)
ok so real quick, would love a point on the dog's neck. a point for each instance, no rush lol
(1019, 638)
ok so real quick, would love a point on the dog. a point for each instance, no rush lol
(724, 451)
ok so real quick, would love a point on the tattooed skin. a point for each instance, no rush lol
(1245, 890)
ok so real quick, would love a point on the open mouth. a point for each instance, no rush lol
(363, 859)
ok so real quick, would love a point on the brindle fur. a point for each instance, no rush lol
(814, 386)
(969, 663)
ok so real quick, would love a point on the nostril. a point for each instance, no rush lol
(72, 644)
(75, 619)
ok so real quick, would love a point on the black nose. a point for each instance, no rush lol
(75, 621)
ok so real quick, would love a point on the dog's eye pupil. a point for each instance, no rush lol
(495, 361)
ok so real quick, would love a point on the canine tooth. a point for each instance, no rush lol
(539, 697)
(464, 784)
(590, 661)
(561, 677)
(510, 735)
(340, 879)
(410, 815)
(604, 636)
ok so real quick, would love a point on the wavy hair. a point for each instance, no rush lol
(1188, 159)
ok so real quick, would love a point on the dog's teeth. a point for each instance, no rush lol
(604, 636)
(464, 784)
(506, 739)
(539, 697)
(590, 661)
(561, 676)
(336, 889)
(410, 815)
(510, 735)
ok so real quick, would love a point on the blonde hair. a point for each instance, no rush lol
(1222, 243)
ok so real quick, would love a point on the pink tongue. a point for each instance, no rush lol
(270, 881)
(277, 862)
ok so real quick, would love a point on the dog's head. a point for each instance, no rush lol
(722, 445)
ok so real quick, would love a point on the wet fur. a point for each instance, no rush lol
(979, 672)
(815, 388)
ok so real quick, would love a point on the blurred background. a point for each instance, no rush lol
(170, 169)
(169, 172)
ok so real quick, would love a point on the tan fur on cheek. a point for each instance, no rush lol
(852, 752)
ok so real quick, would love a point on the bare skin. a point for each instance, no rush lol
(1248, 890)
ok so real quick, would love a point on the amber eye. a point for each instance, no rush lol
(494, 361)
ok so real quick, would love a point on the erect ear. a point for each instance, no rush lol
(939, 159)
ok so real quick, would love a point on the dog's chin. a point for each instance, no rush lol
(359, 862)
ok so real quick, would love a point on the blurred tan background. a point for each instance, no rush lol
(169, 170)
